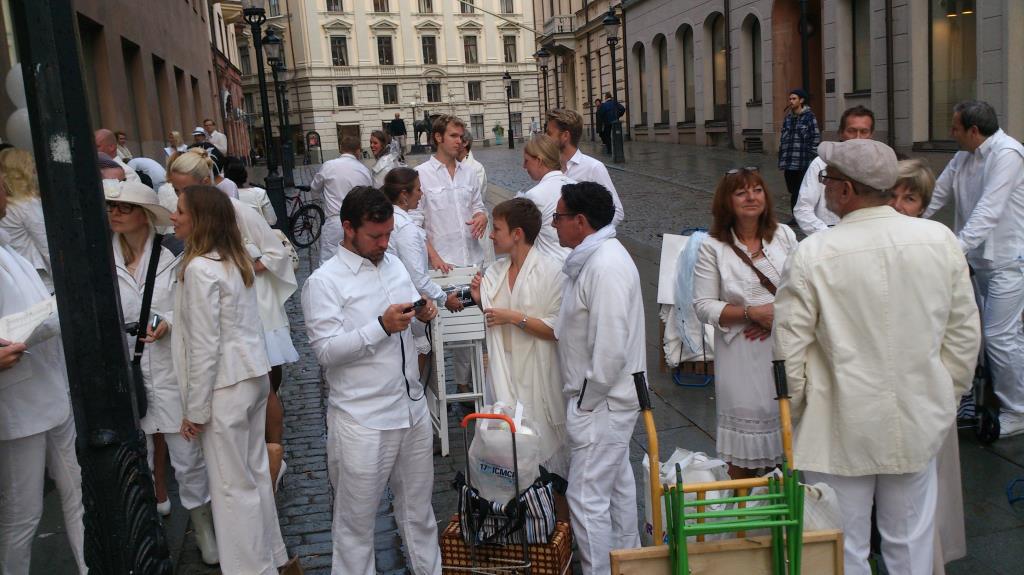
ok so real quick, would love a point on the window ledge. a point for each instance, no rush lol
(754, 103)
(858, 94)
(936, 146)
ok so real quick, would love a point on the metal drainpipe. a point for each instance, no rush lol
(890, 78)
(728, 72)
(625, 75)
(805, 49)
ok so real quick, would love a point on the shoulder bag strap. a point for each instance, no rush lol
(765, 282)
(147, 298)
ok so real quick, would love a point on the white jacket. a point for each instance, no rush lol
(275, 285)
(877, 323)
(545, 195)
(162, 391)
(257, 198)
(27, 235)
(217, 336)
(600, 330)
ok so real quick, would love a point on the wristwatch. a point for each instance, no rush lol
(522, 323)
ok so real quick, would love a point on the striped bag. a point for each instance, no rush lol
(485, 522)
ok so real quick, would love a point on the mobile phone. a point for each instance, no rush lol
(154, 322)
(417, 305)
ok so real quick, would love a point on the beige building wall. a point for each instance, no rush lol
(313, 79)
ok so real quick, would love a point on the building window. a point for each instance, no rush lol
(390, 92)
(756, 90)
(248, 103)
(467, 6)
(339, 50)
(385, 53)
(954, 64)
(689, 86)
(861, 18)
(508, 6)
(720, 99)
(661, 46)
(345, 96)
(433, 92)
(274, 7)
(476, 92)
(476, 124)
(509, 44)
(469, 47)
(334, 6)
(380, 6)
(243, 60)
(517, 123)
(641, 70)
(514, 90)
(426, 6)
(429, 44)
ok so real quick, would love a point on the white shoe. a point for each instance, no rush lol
(1010, 424)
(206, 540)
(164, 509)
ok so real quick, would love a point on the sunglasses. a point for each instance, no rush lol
(735, 171)
(556, 215)
(120, 207)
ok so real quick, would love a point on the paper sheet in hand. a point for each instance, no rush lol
(20, 327)
(671, 246)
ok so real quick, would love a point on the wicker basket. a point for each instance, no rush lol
(550, 559)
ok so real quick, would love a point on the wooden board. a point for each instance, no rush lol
(822, 555)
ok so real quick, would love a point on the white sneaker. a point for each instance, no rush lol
(1011, 424)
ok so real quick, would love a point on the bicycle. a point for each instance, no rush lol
(305, 219)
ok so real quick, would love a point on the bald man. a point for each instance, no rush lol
(106, 142)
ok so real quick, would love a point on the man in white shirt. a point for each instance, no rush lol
(566, 127)
(334, 181)
(986, 179)
(465, 157)
(877, 324)
(810, 211)
(358, 308)
(218, 139)
(601, 345)
(106, 142)
(123, 153)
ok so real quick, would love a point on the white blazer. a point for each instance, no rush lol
(27, 232)
(218, 335)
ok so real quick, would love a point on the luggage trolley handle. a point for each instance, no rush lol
(782, 395)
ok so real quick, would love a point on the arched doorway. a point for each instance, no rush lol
(787, 70)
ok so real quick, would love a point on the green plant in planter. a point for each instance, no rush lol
(498, 130)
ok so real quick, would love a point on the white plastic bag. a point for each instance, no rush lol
(490, 455)
(697, 468)
(821, 507)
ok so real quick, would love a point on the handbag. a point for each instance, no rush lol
(763, 279)
(485, 522)
(141, 401)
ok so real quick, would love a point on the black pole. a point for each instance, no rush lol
(544, 70)
(274, 184)
(123, 531)
(511, 130)
(283, 126)
(558, 91)
(618, 154)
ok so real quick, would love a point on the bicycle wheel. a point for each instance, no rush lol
(305, 225)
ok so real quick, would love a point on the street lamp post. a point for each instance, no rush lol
(507, 78)
(272, 46)
(255, 15)
(611, 27)
(542, 56)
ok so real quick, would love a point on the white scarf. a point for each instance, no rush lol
(578, 257)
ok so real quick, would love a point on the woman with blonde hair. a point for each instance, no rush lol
(24, 221)
(222, 367)
(542, 162)
(913, 190)
(175, 143)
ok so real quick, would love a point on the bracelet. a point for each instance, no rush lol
(746, 313)
(380, 319)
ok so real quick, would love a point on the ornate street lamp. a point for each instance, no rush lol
(611, 24)
(255, 15)
(507, 79)
(543, 57)
(272, 48)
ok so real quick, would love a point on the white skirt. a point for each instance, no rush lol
(280, 349)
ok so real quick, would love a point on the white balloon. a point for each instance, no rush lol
(15, 84)
(19, 134)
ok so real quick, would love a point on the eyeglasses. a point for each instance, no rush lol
(556, 215)
(735, 171)
(823, 177)
(120, 207)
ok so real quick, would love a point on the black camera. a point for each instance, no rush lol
(416, 305)
(463, 293)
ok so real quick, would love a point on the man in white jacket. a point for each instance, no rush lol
(877, 324)
(601, 344)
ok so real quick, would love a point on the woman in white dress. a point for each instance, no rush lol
(134, 212)
(222, 366)
(24, 221)
(385, 154)
(731, 296)
(910, 197)
(520, 296)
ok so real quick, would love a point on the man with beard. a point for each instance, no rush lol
(358, 308)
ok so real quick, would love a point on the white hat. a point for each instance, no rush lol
(869, 162)
(132, 192)
(199, 130)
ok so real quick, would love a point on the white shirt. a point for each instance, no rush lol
(988, 185)
(228, 187)
(336, 179)
(877, 324)
(583, 168)
(481, 174)
(448, 203)
(362, 364)
(219, 141)
(409, 243)
(152, 168)
(26, 233)
(383, 165)
(810, 211)
(257, 198)
(545, 195)
(600, 330)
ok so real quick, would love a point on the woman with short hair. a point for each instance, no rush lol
(254, 196)
(542, 162)
(913, 190)
(738, 269)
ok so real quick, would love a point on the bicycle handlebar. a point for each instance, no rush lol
(302, 188)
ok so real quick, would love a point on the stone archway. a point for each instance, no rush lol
(786, 57)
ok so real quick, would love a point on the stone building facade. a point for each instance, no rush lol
(225, 17)
(353, 64)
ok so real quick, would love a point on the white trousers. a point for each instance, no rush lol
(249, 538)
(189, 469)
(1002, 293)
(602, 491)
(905, 509)
(331, 234)
(23, 462)
(360, 462)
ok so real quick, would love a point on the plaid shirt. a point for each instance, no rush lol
(800, 139)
